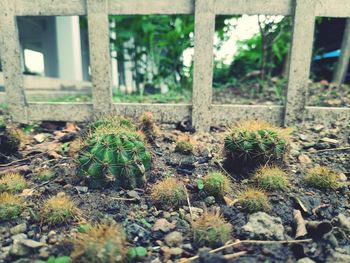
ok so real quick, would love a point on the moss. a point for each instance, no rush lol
(45, 174)
(253, 200)
(104, 243)
(184, 145)
(271, 178)
(13, 183)
(58, 209)
(11, 206)
(322, 177)
(211, 229)
(254, 143)
(217, 184)
(170, 192)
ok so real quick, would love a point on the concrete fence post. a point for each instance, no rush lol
(301, 53)
(344, 59)
(203, 64)
(98, 28)
(10, 52)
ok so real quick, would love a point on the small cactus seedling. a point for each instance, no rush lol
(184, 145)
(211, 229)
(322, 177)
(104, 243)
(114, 153)
(253, 200)
(10, 142)
(13, 183)
(271, 178)
(58, 209)
(170, 192)
(217, 184)
(11, 206)
(254, 143)
(45, 174)
(148, 126)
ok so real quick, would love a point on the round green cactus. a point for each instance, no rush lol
(253, 144)
(114, 153)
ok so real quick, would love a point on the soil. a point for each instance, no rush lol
(138, 214)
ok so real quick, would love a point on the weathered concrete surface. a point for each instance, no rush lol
(11, 61)
(301, 52)
(203, 64)
(343, 61)
(151, 7)
(98, 27)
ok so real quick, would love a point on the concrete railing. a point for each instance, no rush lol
(202, 112)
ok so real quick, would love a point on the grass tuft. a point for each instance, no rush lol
(217, 184)
(104, 243)
(211, 229)
(271, 178)
(59, 209)
(13, 183)
(253, 200)
(11, 206)
(322, 177)
(170, 192)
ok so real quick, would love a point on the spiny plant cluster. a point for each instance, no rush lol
(114, 151)
(271, 178)
(253, 200)
(11, 206)
(184, 145)
(58, 209)
(254, 143)
(322, 177)
(169, 192)
(13, 183)
(211, 229)
(217, 184)
(103, 243)
(9, 140)
(148, 126)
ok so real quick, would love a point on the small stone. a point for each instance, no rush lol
(330, 141)
(32, 243)
(303, 158)
(305, 260)
(343, 177)
(21, 228)
(41, 137)
(303, 137)
(163, 225)
(18, 250)
(210, 200)
(67, 186)
(338, 256)
(344, 222)
(176, 251)
(44, 253)
(262, 225)
(173, 239)
(294, 153)
(133, 194)
(20, 236)
(318, 128)
(82, 189)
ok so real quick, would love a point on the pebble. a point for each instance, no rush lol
(20, 236)
(305, 260)
(173, 239)
(163, 225)
(210, 200)
(21, 228)
(176, 251)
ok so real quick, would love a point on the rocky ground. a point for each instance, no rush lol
(166, 233)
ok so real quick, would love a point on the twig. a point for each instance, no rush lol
(314, 211)
(189, 204)
(186, 260)
(123, 199)
(20, 160)
(235, 255)
(332, 149)
(224, 170)
(301, 228)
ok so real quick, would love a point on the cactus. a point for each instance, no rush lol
(114, 152)
(254, 143)
(148, 126)
(9, 141)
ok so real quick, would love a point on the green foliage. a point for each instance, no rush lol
(253, 200)
(211, 229)
(11, 206)
(114, 152)
(45, 174)
(271, 178)
(254, 143)
(170, 192)
(62, 259)
(84, 228)
(217, 184)
(184, 147)
(136, 253)
(200, 184)
(323, 178)
(104, 243)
